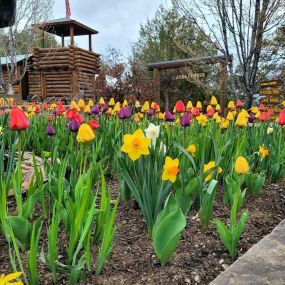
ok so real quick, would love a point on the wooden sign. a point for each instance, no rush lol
(272, 100)
(193, 76)
(271, 91)
(271, 83)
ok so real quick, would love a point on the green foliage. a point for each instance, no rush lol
(254, 183)
(231, 235)
(167, 230)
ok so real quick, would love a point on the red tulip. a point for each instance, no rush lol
(79, 118)
(71, 114)
(210, 112)
(195, 112)
(281, 120)
(18, 119)
(239, 103)
(261, 107)
(49, 118)
(265, 116)
(94, 125)
(180, 107)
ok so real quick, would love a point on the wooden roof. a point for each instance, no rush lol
(61, 27)
(186, 62)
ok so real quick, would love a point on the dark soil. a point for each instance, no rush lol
(200, 256)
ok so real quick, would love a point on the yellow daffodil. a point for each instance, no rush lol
(213, 101)
(136, 144)
(210, 165)
(53, 106)
(202, 120)
(137, 117)
(137, 104)
(224, 124)
(145, 107)
(81, 104)
(241, 165)
(254, 109)
(6, 280)
(192, 149)
(170, 169)
(85, 134)
(112, 102)
(263, 152)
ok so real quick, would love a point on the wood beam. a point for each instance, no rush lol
(62, 41)
(156, 78)
(90, 42)
(71, 35)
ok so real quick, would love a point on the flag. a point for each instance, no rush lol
(67, 6)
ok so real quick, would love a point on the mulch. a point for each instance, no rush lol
(200, 256)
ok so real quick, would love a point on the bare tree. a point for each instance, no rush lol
(28, 12)
(238, 27)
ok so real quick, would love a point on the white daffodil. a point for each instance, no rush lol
(269, 130)
(152, 132)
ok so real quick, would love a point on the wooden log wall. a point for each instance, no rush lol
(63, 72)
(16, 88)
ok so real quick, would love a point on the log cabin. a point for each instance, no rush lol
(62, 72)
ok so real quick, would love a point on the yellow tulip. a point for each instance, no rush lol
(86, 109)
(117, 107)
(90, 103)
(145, 107)
(218, 107)
(189, 105)
(230, 116)
(213, 101)
(136, 144)
(101, 101)
(231, 105)
(241, 165)
(81, 104)
(225, 124)
(73, 105)
(85, 134)
(199, 105)
(112, 102)
(170, 169)
(241, 120)
(125, 103)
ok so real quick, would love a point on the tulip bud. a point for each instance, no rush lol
(74, 125)
(50, 131)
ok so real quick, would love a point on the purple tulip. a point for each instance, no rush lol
(95, 110)
(74, 125)
(124, 113)
(150, 112)
(50, 131)
(105, 107)
(185, 120)
(168, 116)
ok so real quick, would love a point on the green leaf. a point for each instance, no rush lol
(21, 228)
(166, 231)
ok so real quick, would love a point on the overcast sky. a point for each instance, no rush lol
(117, 21)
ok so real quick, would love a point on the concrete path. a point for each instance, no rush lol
(263, 264)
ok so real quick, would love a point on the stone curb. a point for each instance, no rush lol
(263, 264)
